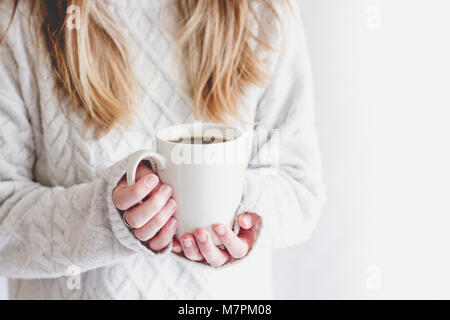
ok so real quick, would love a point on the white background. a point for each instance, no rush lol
(331, 264)
(382, 93)
(382, 70)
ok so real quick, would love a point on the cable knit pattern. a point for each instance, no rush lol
(56, 210)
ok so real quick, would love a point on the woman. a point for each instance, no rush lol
(83, 84)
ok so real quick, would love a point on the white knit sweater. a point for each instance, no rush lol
(56, 212)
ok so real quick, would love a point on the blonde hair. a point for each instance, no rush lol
(92, 65)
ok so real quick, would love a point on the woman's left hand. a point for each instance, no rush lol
(200, 247)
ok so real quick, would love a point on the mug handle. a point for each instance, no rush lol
(139, 156)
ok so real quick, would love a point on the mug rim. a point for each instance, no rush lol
(190, 125)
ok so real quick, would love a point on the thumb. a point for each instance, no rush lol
(247, 220)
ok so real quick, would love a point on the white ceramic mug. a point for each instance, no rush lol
(207, 179)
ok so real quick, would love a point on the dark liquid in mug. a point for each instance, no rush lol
(199, 140)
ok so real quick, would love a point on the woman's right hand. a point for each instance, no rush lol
(151, 220)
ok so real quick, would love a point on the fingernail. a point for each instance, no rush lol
(172, 223)
(201, 236)
(151, 181)
(247, 220)
(220, 230)
(187, 243)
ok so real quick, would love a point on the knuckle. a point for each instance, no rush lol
(191, 254)
(128, 218)
(215, 263)
(141, 235)
(160, 220)
(155, 245)
(154, 210)
(152, 206)
(159, 199)
(152, 230)
(173, 203)
(167, 213)
(239, 253)
(227, 242)
(152, 246)
(138, 191)
(158, 244)
(195, 258)
(133, 220)
(151, 209)
(117, 203)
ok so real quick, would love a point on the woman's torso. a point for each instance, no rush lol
(65, 157)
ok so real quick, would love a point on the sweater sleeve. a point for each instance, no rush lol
(284, 180)
(45, 230)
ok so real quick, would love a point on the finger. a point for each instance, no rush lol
(149, 230)
(164, 236)
(124, 197)
(236, 246)
(142, 170)
(247, 220)
(176, 247)
(213, 255)
(138, 216)
(190, 248)
(123, 181)
(248, 236)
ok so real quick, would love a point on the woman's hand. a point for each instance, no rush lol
(152, 220)
(199, 246)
